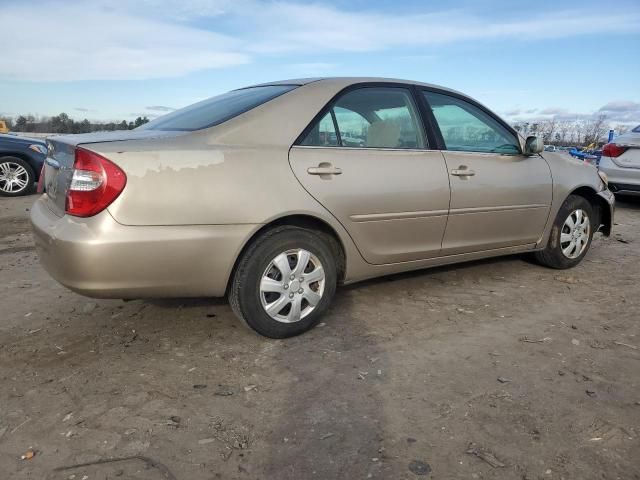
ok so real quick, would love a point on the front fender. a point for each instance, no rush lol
(608, 206)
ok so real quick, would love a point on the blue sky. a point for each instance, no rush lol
(111, 59)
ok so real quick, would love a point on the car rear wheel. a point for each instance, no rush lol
(284, 282)
(16, 177)
(571, 234)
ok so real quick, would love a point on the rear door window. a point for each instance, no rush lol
(373, 117)
(216, 110)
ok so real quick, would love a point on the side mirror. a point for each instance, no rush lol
(533, 145)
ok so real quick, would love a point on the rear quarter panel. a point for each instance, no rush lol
(197, 183)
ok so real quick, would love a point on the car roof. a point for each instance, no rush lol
(20, 139)
(347, 81)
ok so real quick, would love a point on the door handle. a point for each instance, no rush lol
(324, 169)
(462, 171)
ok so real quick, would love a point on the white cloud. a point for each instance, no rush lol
(554, 111)
(63, 41)
(623, 111)
(160, 108)
(106, 39)
(621, 106)
(290, 27)
(310, 69)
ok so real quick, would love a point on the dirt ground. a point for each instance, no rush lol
(494, 369)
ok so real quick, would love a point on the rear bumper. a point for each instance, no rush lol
(623, 180)
(625, 188)
(99, 257)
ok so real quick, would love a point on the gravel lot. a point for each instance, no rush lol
(494, 369)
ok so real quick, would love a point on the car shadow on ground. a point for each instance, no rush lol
(629, 202)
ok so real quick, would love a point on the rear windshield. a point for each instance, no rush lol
(637, 129)
(216, 110)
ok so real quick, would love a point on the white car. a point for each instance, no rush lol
(621, 162)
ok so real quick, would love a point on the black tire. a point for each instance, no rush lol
(28, 188)
(244, 291)
(552, 256)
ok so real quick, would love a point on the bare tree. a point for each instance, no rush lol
(578, 128)
(595, 129)
(564, 127)
(548, 129)
(621, 129)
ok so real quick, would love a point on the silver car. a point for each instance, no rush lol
(275, 194)
(620, 161)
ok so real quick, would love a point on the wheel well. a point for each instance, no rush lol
(600, 204)
(24, 158)
(302, 221)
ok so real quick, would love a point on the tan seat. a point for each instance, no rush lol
(384, 133)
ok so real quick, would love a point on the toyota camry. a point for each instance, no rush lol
(275, 194)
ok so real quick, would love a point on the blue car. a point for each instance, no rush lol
(21, 160)
(574, 152)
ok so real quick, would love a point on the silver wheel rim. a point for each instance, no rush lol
(292, 285)
(574, 237)
(13, 177)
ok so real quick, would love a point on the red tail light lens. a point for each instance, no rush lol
(613, 150)
(96, 182)
(41, 180)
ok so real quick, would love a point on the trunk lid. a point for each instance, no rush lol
(630, 158)
(58, 166)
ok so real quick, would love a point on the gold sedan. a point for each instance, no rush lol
(275, 194)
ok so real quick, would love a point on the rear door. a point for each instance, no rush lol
(499, 197)
(366, 159)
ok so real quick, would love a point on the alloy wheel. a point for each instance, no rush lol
(13, 177)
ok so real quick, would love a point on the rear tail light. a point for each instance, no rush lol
(41, 180)
(96, 182)
(613, 150)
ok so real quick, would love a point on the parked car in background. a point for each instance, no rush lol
(253, 194)
(550, 148)
(21, 160)
(620, 161)
(3, 127)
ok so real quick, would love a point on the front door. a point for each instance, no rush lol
(499, 197)
(367, 161)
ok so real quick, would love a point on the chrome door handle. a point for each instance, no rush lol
(462, 171)
(324, 170)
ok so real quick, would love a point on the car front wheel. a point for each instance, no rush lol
(284, 281)
(571, 234)
(16, 177)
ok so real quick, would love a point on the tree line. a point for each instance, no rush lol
(62, 123)
(577, 132)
